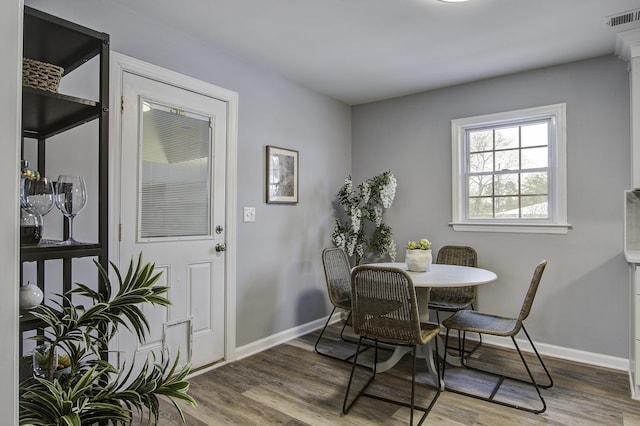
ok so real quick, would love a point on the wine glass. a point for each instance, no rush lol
(38, 195)
(71, 197)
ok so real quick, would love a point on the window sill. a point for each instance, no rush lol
(516, 228)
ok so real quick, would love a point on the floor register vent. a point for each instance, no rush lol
(628, 19)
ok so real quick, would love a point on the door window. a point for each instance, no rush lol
(175, 174)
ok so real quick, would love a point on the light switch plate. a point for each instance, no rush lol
(249, 214)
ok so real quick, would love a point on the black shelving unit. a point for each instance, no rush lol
(45, 114)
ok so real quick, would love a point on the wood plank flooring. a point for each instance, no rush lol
(292, 385)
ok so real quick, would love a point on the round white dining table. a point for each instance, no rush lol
(438, 275)
(446, 275)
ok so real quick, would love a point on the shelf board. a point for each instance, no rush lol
(28, 321)
(50, 249)
(57, 41)
(45, 114)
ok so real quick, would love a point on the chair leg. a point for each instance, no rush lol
(426, 410)
(346, 321)
(463, 336)
(326, 324)
(550, 384)
(440, 388)
(501, 378)
(444, 358)
(475, 348)
(412, 406)
(413, 384)
(315, 348)
(345, 407)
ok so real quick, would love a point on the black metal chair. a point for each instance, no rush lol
(490, 324)
(454, 299)
(384, 310)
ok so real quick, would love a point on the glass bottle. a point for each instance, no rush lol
(30, 226)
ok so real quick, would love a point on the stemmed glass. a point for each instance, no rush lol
(38, 195)
(71, 197)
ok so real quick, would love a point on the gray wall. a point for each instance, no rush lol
(280, 283)
(582, 303)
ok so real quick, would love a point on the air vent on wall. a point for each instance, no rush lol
(625, 20)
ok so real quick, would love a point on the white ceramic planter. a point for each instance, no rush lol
(418, 260)
(30, 296)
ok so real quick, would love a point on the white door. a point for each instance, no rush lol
(173, 211)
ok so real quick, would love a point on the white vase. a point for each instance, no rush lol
(30, 296)
(418, 260)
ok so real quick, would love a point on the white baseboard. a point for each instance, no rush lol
(584, 357)
(269, 342)
(282, 337)
(560, 352)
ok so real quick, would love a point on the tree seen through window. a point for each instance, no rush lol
(508, 171)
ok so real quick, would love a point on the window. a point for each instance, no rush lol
(175, 178)
(509, 171)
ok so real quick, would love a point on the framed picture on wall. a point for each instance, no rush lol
(282, 175)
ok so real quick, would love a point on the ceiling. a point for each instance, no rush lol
(359, 51)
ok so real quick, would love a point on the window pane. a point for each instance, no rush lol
(480, 186)
(507, 207)
(175, 181)
(535, 134)
(534, 183)
(507, 160)
(535, 207)
(480, 208)
(480, 140)
(482, 162)
(533, 158)
(507, 137)
(507, 184)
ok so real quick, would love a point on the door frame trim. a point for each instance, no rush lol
(119, 65)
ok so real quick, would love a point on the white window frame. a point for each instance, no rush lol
(557, 183)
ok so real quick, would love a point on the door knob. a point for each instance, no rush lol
(221, 247)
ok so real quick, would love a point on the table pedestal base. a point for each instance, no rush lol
(424, 352)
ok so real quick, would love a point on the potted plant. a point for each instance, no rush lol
(418, 257)
(90, 390)
(362, 233)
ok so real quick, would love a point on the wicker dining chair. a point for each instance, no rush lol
(385, 310)
(337, 271)
(454, 299)
(484, 323)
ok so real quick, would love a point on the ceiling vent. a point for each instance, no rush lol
(625, 20)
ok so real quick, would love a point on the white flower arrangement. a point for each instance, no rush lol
(364, 232)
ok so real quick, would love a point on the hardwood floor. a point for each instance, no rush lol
(292, 385)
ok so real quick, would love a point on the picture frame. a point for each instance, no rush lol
(282, 175)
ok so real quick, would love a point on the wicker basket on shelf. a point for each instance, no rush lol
(41, 75)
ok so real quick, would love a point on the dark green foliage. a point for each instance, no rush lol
(94, 390)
